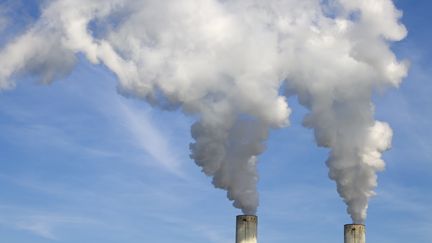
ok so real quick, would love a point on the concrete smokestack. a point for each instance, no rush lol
(354, 233)
(246, 229)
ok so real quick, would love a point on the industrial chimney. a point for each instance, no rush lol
(246, 229)
(354, 233)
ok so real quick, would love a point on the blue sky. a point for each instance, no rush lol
(80, 163)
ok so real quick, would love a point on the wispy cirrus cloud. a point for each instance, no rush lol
(38, 222)
(135, 122)
(149, 138)
(33, 126)
(45, 225)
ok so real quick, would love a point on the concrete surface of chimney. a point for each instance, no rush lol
(354, 233)
(246, 229)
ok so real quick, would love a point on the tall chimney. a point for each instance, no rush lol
(354, 233)
(246, 229)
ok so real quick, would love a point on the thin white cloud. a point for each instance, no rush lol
(45, 225)
(411, 204)
(43, 135)
(140, 129)
(402, 199)
(40, 228)
(149, 138)
(211, 232)
(42, 224)
(172, 197)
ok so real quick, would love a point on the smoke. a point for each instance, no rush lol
(339, 69)
(225, 63)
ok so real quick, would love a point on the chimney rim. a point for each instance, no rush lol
(353, 224)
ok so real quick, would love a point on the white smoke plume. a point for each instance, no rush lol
(225, 62)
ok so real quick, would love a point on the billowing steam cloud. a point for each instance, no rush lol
(225, 63)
